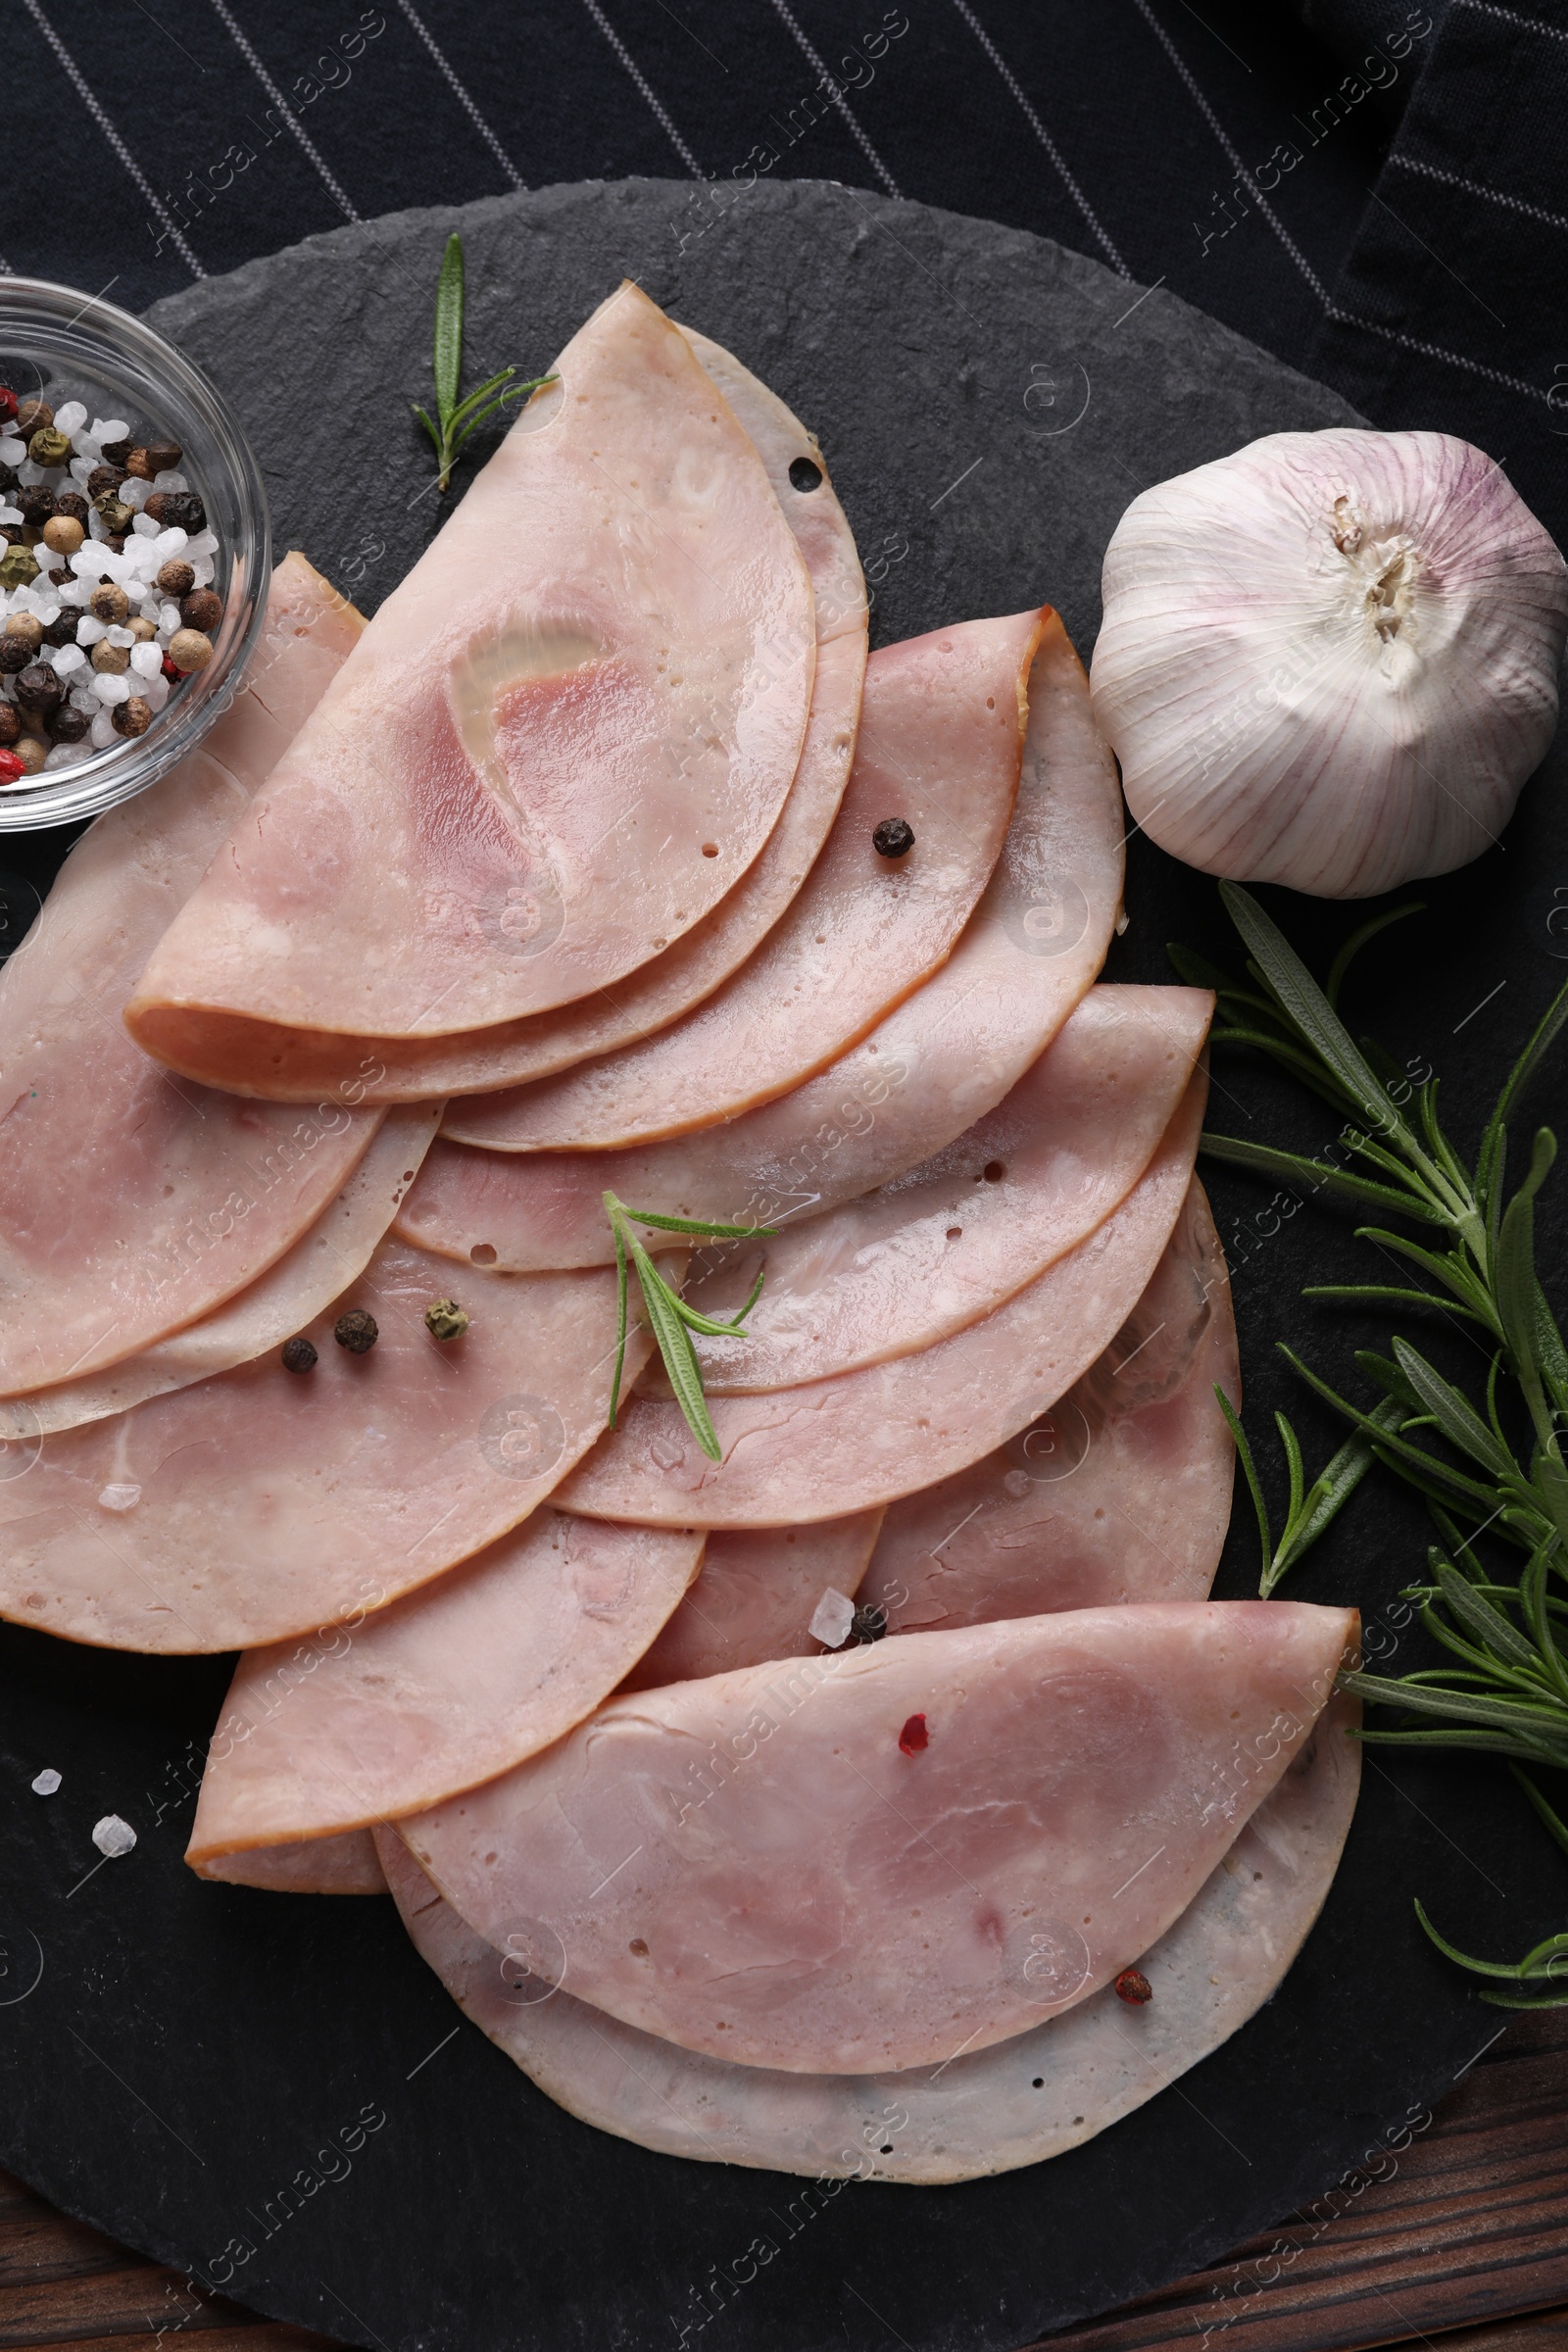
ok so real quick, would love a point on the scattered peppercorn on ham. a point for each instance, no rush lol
(561, 741)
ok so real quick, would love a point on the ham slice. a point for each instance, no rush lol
(1122, 1492)
(940, 745)
(756, 1597)
(946, 1057)
(301, 1284)
(562, 740)
(261, 1503)
(863, 1437)
(444, 1689)
(935, 1251)
(345, 1865)
(132, 1203)
(987, 2110)
(945, 1842)
(295, 1064)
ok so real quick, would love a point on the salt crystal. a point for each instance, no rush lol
(134, 491)
(155, 693)
(205, 543)
(110, 429)
(169, 618)
(171, 542)
(145, 527)
(67, 657)
(109, 688)
(71, 417)
(29, 475)
(169, 481)
(80, 468)
(67, 754)
(10, 513)
(90, 628)
(145, 660)
(116, 635)
(113, 1837)
(203, 569)
(47, 1781)
(12, 450)
(102, 735)
(83, 699)
(88, 564)
(832, 1618)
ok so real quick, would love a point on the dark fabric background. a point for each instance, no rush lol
(1371, 189)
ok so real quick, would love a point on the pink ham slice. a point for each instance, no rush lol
(444, 1689)
(940, 746)
(944, 1058)
(563, 737)
(987, 2111)
(1122, 1492)
(935, 1251)
(345, 1865)
(132, 1203)
(845, 1445)
(260, 1503)
(294, 1065)
(756, 1597)
(301, 1284)
(883, 1859)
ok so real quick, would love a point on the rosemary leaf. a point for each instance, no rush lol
(447, 359)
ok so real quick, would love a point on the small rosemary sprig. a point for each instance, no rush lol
(457, 418)
(670, 1318)
(1508, 1692)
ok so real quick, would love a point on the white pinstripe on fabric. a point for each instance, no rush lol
(1488, 8)
(1474, 187)
(650, 94)
(100, 115)
(1041, 133)
(306, 143)
(792, 25)
(443, 68)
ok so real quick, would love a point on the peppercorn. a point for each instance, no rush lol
(69, 724)
(61, 630)
(10, 724)
(32, 415)
(445, 1320)
(189, 650)
(132, 717)
(176, 577)
(36, 503)
(176, 677)
(8, 478)
(12, 769)
(31, 753)
(17, 567)
(115, 453)
(1134, 1987)
(71, 503)
(109, 660)
(356, 1331)
(868, 1624)
(8, 404)
(893, 838)
(14, 656)
(39, 690)
(136, 463)
(28, 629)
(163, 456)
(298, 1355)
(103, 480)
(141, 629)
(202, 610)
(64, 533)
(177, 510)
(109, 603)
(49, 448)
(113, 542)
(116, 515)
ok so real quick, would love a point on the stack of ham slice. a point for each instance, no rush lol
(569, 857)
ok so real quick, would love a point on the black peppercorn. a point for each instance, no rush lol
(202, 610)
(15, 654)
(39, 691)
(8, 478)
(177, 510)
(803, 475)
(298, 1355)
(356, 1331)
(69, 724)
(163, 456)
(71, 503)
(61, 630)
(868, 1624)
(104, 479)
(115, 453)
(893, 838)
(38, 505)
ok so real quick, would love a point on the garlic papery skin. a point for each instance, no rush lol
(1331, 660)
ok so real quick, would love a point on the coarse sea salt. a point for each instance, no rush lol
(147, 661)
(102, 735)
(113, 1837)
(111, 689)
(46, 1782)
(832, 1618)
(71, 417)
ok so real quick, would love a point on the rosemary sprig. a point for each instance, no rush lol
(1505, 1689)
(670, 1318)
(457, 418)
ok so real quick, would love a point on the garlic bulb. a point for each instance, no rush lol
(1331, 660)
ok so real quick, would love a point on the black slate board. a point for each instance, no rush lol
(273, 2092)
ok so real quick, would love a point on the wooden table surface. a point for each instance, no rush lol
(1469, 2232)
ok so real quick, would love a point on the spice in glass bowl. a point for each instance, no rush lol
(106, 599)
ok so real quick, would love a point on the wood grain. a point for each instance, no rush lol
(1470, 2229)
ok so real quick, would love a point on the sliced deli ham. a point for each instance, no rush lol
(261, 1503)
(442, 1690)
(345, 1865)
(755, 1599)
(940, 747)
(831, 1446)
(131, 1202)
(880, 1860)
(986, 2111)
(563, 737)
(944, 1058)
(1122, 1492)
(295, 1064)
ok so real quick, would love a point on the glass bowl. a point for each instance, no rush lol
(60, 345)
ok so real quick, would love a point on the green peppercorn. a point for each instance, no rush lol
(445, 1320)
(116, 515)
(356, 1331)
(17, 567)
(49, 448)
